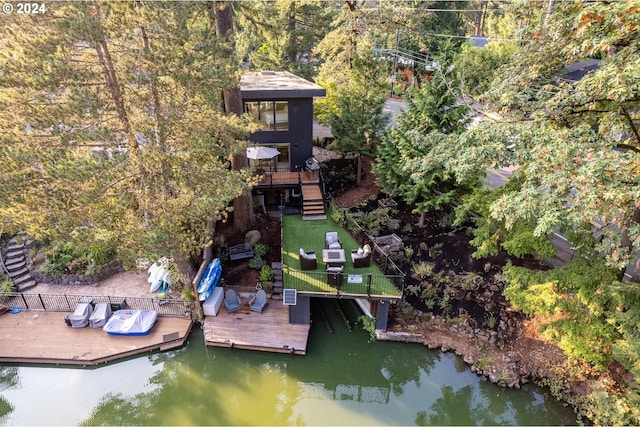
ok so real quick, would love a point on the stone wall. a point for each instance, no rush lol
(108, 270)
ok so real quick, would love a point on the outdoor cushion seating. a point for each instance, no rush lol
(232, 301)
(100, 315)
(258, 301)
(362, 257)
(332, 240)
(80, 317)
(308, 260)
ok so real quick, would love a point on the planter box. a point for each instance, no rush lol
(387, 203)
(389, 243)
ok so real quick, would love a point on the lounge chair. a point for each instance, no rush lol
(332, 240)
(258, 301)
(308, 260)
(362, 257)
(232, 301)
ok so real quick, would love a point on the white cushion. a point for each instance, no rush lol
(302, 253)
(366, 251)
(360, 251)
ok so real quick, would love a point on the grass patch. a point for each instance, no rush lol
(309, 235)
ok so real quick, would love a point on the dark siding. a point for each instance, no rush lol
(301, 312)
(382, 313)
(300, 133)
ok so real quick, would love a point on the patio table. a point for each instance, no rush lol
(334, 257)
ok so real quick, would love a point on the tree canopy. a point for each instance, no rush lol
(112, 126)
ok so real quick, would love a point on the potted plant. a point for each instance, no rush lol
(265, 277)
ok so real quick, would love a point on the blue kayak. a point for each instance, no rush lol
(210, 279)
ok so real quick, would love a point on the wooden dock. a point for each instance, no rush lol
(267, 331)
(44, 337)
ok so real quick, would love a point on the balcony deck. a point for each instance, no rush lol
(275, 179)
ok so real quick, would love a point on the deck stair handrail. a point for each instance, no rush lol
(66, 303)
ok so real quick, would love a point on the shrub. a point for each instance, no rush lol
(266, 274)
(260, 249)
(256, 262)
(423, 270)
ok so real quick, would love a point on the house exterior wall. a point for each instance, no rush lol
(299, 136)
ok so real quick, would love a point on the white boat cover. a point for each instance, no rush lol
(100, 314)
(131, 322)
(80, 317)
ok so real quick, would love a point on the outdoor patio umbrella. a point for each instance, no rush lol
(258, 153)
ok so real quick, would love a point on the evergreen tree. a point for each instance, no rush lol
(432, 113)
(107, 132)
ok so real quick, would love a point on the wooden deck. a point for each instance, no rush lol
(44, 337)
(286, 178)
(266, 331)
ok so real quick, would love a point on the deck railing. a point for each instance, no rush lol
(382, 260)
(353, 284)
(64, 303)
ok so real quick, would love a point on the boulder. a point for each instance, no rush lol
(252, 237)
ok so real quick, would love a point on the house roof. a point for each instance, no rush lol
(277, 84)
(478, 41)
(576, 71)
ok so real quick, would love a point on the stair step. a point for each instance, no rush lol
(22, 279)
(14, 253)
(313, 217)
(14, 245)
(276, 265)
(27, 285)
(15, 264)
(313, 211)
(17, 273)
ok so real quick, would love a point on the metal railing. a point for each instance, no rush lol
(354, 284)
(64, 303)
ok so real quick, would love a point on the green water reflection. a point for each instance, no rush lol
(344, 380)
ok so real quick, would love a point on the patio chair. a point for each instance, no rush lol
(308, 260)
(80, 317)
(259, 301)
(232, 301)
(334, 276)
(332, 240)
(362, 257)
(100, 315)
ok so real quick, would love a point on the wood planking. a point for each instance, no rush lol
(287, 178)
(266, 331)
(44, 337)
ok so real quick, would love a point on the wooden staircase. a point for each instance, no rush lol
(312, 202)
(15, 265)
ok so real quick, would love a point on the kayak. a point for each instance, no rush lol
(210, 279)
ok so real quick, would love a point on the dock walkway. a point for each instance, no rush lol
(250, 330)
(44, 337)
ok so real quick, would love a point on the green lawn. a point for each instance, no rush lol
(309, 235)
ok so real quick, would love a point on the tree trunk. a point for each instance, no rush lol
(242, 205)
(359, 170)
(420, 223)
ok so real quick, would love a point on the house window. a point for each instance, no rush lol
(274, 115)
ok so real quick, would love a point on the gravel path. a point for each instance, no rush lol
(123, 284)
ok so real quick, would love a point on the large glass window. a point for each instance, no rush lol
(274, 115)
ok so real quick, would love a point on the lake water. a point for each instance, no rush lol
(343, 380)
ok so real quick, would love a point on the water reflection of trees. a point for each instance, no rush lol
(8, 378)
(486, 405)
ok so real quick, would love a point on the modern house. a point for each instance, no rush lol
(283, 103)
